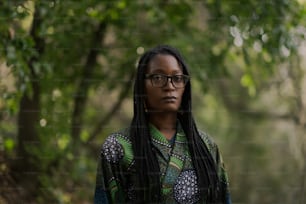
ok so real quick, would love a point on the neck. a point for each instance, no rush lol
(165, 123)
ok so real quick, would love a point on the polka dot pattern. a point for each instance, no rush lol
(112, 150)
(186, 188)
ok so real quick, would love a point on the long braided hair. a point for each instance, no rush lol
(148, 189)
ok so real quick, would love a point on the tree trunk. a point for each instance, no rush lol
(26, 166)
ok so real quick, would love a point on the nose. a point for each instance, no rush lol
(169, 84)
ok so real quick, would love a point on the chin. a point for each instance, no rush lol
(171, 109)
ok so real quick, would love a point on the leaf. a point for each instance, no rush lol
(9, 144)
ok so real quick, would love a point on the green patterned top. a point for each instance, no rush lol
(178, 178)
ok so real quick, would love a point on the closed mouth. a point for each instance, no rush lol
(169, 98)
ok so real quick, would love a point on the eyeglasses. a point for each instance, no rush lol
(160, 80)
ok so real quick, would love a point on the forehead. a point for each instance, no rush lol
(164, 63)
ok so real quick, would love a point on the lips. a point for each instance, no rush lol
(169, 98)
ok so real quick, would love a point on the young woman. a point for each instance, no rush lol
(162, 157)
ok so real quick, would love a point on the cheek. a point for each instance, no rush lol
(181, 93)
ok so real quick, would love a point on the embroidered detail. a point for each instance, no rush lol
(180, 157)
(186, 188)
(161, 143)
(125, 138)
(112, 149)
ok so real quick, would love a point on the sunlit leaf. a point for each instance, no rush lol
(9, 144)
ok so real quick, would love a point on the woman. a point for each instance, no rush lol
(162, 157)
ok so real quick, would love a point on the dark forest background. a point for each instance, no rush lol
(66, 76)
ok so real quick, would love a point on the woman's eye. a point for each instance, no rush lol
(178, 78)
(157, 78)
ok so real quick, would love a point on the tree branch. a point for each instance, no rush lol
(83, 87)
(103, 121)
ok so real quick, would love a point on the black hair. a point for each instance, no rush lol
(146, 163)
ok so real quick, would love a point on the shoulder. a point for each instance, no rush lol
(210, 144)
(208, 140)
(121, 135)
(116, 146)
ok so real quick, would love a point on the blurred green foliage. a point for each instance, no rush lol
(79, 59)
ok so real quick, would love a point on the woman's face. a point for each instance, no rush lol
(167, 98)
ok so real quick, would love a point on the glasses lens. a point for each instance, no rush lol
(158, 80)
(178, 81)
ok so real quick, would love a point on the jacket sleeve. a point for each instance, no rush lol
(108, 188)
(213, 148)
(223, 177)
(101, 193)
